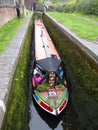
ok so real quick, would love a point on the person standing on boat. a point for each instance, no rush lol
(61, 73)
(37, 79)
(35, 71)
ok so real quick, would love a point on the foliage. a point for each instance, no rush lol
(40, 1)
(88, 6)
(43, 87)
(83, 6)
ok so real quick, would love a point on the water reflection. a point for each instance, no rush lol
(40, 119)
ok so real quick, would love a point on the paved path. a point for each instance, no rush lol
(91, 20)
(8, 63)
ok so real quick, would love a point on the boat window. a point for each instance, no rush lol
(54, 56)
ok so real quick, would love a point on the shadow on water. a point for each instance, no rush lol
(42, 120)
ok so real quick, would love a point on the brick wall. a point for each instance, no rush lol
(6, 14)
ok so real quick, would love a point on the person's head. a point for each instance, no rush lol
(36, 68)
(60, 68)
(52, 78)
(37, 74)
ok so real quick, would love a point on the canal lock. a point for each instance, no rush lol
(81, 111)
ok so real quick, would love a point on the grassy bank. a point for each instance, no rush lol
(92, 17)
(82, 27)
(17, 108)
(8, 31)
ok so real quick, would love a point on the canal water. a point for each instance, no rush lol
(40, 120)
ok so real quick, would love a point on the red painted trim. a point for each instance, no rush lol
(62, 106)
(46, 106)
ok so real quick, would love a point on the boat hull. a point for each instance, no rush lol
(52, 101)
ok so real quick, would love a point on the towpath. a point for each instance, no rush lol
(91, 20)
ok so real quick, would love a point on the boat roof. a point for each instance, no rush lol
(49, 64)
(46, 54)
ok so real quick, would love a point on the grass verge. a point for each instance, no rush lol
(8, 31)
(82, 27)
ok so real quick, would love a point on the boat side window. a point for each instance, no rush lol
(54, 56)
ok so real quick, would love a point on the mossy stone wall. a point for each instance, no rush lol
(82, 76)
(17, 110)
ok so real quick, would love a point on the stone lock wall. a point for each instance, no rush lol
(7, 14)
(81, 67)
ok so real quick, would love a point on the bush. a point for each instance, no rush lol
(88, 7)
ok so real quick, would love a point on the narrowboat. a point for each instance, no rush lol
(49, 85)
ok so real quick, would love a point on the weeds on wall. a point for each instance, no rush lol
(82, 76)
